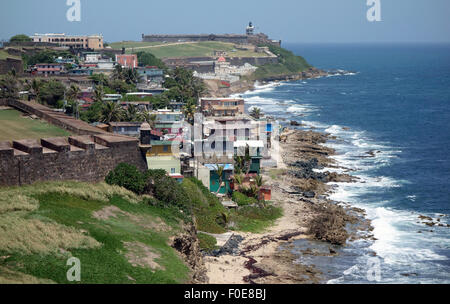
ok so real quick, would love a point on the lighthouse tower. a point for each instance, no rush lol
(250, 29)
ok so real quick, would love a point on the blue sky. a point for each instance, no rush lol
(288, 20)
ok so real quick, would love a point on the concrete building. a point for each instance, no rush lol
(168, 116)
(48, 69)
(94, 42)
(127, 60)
(164, 155)
(151, 74)
(222, 106)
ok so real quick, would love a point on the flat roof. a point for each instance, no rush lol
(250, 143)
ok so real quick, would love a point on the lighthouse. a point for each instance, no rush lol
(250, 29)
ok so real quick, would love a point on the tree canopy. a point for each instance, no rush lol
(20, 38)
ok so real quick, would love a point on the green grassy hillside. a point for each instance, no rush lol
(15, 126)
(117, 237)
(196, 49)
(288, 64)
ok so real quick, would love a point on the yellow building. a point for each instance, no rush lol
(164, 155)
(94, 42)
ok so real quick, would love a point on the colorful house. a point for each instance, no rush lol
(163, 154)
(127, 60)
(214, 183)
(151, 74)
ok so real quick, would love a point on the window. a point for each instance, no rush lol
(172, 170)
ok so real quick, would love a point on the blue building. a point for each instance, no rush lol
(151, 74)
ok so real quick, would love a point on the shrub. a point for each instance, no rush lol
(209, 213)
(164, 188)
(243, 200)
(206, 242)
(255, 219)
(127, 176)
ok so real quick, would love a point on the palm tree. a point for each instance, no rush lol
(259, 181)
(238, 179)
(256, 113)
(35, 86)
(118, 72)
(150, 119)
(189, 112)
(130, 76)
(132, 113)
(220, 170)
(98, 94)
(72, 95)
(111, 112)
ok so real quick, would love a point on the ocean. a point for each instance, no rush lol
(391, 117)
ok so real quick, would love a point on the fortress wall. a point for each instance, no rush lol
(10, 64)
(195, 38)
(80, 158)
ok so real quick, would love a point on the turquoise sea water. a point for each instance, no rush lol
(395, 103)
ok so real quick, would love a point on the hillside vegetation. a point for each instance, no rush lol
(289, 64)
(118, 237)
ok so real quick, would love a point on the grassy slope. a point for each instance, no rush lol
(44, 224)
(289, 64)
(208, 211)
(14, 126)
(199, 49)
(4, 55)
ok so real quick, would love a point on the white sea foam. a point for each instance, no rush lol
(304, 108)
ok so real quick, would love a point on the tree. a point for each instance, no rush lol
(148, 59)
(98, 94)
(9, 86)
(20, 38)
(93, 113)
(150, 119)
(118, 73)
(72, 95)
(100, 79)
(127, 176)
(51, 92)
(256, 113)
(111, 112)
(130, 76)
(238, 180)
(189, 112)
(35, 86)
(219, 171)
(132, 113)
(243, 162)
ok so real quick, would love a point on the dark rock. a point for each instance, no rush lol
(231, 247)
(295, 123)
(304, 169)
(309, 194)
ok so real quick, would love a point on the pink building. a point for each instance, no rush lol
(127, 60)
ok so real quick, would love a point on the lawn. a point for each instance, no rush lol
(132, 44)
(197, 49)
(117, 237)
(4, 55)
(14, 126)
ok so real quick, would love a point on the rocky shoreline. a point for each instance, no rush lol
(267, 258)
(301, 192)
(215, 89)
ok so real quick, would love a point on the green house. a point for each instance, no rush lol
(215, 179)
